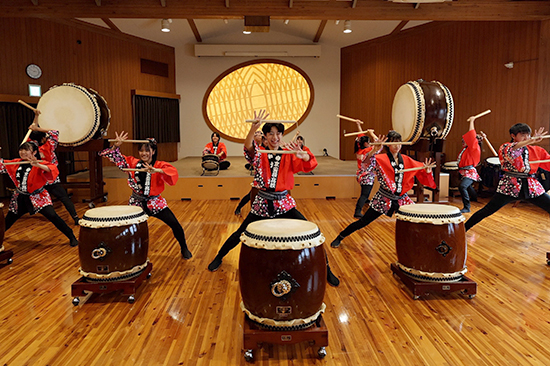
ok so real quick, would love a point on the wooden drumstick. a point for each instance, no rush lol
(417, 168)
(26, 105)
(295, 135)
(349, 118)
(133, 141)
(21, 162)
(482, 113)
(372, 135)
(279, 151)
(489, 143)
(27, 135)
(268, 121)
(392, 143)
(539, 161)
(143, 170)
(358, 133)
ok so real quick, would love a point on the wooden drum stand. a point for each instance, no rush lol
(6, 254)
(254, 337)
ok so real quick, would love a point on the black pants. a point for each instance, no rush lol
(367, 218)
(49, 213)
(224, 164)
(244, 201)
(466, 188)
(365, 192)
(500, 200)
(60, 193)
(168, 217)
(235, 238)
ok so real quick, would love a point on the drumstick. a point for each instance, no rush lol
(392, 143)
(482, 113)
(489, 143)
(349, 118)
(143, 170)
(268, 121)
(417, 168)
(295, 135)
(26, 105)
(358, 133)
(134, 141)
(539, 161)
(279, 151)
(21, 162)
(27, 135)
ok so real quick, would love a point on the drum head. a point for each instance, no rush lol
(430, 214)
(71, 110)
(493, 161)
(408, 111)
(109, 216)
(282, 234)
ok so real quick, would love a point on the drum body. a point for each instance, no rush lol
(491, 172)
(2, 227)
(78, 113)
(451, 167)
(114, 242)
(431, 242)
(282, 273)
(422, 109)
(210, 162)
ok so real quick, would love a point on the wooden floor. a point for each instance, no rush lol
(186, 315)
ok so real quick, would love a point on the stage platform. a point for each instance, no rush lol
(333, 178)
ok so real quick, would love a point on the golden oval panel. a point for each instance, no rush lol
(282, 89)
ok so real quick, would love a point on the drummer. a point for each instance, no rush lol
(365, 170)
(148, 185)
(30, 194)
(259, 139)
(216, 147)
(47, 143)
(393, 185)
(518, 181)
(468, 159)
(274, 178)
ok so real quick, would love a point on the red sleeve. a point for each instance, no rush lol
(170, 175)
(538, 153)
(223, 150)
(52, 174)
(298, 165)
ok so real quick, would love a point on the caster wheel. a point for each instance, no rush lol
(91, 205)
(131, 299)
(10, 261)
(472, 296)
(76, 301)
(248, 355)
(105, 198)
(322, 352)
(148, 275)
(548, 262)
(416, 297)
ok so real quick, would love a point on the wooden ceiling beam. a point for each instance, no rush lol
(399, 27)
(110, 24)
(320, 31)
(314, 10)
(195, 30)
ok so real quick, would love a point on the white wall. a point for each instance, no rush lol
(195, 74)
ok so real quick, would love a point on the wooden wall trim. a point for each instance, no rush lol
(9, 98)
(148, 93)
(543, 88)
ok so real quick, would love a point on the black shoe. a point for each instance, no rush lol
(185, 253)
(465, 210)
(332, 279)
(357, 214)
(336, 242)
(238, 211)
(215, 264)
(73, 242)
(76, 220)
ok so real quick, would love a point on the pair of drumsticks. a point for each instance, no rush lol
(277, 151)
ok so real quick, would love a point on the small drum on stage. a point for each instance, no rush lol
(422, 109)
(210, 161)
(431, 242)
(282, 273)
(114, 243)
(491, 172)
(451, 167)
(78, 113)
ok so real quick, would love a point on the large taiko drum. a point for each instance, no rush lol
(2, 227)
(491, 172)
(282, 273)
(114, 243)
(451, 167)
(431, 242)
(422, 109)
(78, 113)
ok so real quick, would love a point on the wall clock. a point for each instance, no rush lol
(34, 71)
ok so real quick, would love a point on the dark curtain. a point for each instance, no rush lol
(14, 124)
(156, 117)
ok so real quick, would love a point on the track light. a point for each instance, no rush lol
(165, 25)
(286, 21)
(347, 26)
(246, 31)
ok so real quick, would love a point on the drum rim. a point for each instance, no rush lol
(451, 215)
(136, 216)
(308, 238)
(449, 118)
(416, 90)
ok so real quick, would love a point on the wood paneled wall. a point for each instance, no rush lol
(91, 56)
(467, 57)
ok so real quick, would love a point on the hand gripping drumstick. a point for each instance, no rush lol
(490, 146)
(134, 141)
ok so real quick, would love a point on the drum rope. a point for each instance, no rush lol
(106, 219)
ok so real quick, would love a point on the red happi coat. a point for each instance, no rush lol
(209, 149)
(470, 155)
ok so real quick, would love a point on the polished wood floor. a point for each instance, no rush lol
(186, 315)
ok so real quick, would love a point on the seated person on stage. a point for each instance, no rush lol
(274, 178)
(518, 181)
(47, 143)
(468, 159)
(217, 148)
(30, 194)
(147, 185)
(302, 143)
(365, 170)
(394, 185)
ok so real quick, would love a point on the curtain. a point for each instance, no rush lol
(156, 117)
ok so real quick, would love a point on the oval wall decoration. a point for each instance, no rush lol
(281, 88)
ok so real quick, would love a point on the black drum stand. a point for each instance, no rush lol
(254, 337)
(128, 287)
(6, 254)
(419, 288)
(548, 258)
